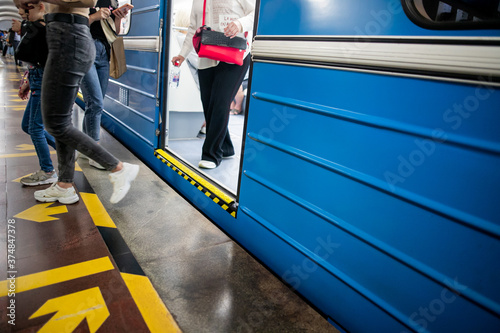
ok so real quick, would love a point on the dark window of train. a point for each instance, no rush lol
(454, 14)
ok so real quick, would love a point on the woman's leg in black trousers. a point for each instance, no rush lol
(218, 85)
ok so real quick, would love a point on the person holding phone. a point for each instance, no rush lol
(95, 82)
(32, 123)
(71, 54)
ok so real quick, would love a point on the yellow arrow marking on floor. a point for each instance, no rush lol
(23, 154)
(152, 309)
(42, 212)
(70, 313)
(97, 211)
(58, 275)
(25, 146)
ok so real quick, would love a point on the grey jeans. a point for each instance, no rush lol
(71, 54)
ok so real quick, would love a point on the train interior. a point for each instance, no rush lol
(185, 122)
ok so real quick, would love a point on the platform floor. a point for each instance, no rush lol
(149, 263)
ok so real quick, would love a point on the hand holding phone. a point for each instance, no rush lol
(123, 9)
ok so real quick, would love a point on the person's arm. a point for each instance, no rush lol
(16, 26)
(119, 15)
(187, 46)
(244, 23)
(247, 20)
(101, 14)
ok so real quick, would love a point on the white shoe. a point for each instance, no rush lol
(121, 181)
(96, 165)
(207, 164)
(65, 196)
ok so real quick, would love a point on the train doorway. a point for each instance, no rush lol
(185, 128)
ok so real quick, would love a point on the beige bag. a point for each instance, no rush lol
(108, 26)
(117, 62)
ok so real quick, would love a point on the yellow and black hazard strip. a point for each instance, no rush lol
(219, 197)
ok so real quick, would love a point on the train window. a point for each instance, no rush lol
(125, 24)
(454, 14)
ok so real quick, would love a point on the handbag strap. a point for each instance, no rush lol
(204, 8)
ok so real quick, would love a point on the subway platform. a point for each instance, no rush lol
(151, 263)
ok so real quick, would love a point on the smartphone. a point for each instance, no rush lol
(124, 8)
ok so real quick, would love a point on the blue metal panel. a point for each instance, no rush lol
(338, 17)
(336, 167)
(399, 175)
(138, 112)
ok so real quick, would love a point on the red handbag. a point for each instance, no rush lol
(216, 46)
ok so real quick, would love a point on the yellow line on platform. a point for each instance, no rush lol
(22, 154)
(56, 275)
(153, 311)
(97, 211)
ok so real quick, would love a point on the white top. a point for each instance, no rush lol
(219, 13)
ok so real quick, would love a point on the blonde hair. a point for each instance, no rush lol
(182, 16)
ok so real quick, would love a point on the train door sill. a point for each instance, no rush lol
(201, 181)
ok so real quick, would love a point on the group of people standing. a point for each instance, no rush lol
(78, 56)
(72, 61)
(8, 42)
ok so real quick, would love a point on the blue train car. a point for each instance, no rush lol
(368, 177)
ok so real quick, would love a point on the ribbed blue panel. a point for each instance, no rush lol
(415, 209)
(137, 117)
(397, 175)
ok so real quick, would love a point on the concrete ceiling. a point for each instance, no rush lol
(7, 12)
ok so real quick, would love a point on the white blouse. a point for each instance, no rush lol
(219, 13)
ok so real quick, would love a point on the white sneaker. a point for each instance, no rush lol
(55, 193)
(121, 181)
(207, 164)
(96, 165)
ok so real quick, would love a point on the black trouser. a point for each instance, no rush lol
(218, 85)
(71, 54)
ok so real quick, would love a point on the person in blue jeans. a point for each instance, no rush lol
(33, 125)
(95, 82)
(71, 54)
(32, 120)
